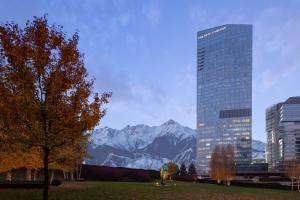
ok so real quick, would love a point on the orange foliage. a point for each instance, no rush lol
(45, 94)
(16, 158)
(222, 165)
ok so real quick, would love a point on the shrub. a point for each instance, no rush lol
(21, 184)
(56, 182)
(184, 178)
(103, 173)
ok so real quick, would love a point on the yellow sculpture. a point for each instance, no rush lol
(166, 171)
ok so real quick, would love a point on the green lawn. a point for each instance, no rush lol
(138, 191)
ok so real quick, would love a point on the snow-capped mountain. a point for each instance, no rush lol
(137, 137)
(147, 147)
(258, 150)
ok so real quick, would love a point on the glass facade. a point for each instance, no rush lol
(283, 133)
(224, 92)
(272, 129)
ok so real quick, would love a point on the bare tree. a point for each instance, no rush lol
(222, 166)
(229, 164)
(298, 176)
(293, 172)
(216, 164)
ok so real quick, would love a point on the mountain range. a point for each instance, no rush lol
(148, 147)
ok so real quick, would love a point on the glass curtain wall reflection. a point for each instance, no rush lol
(224, 92)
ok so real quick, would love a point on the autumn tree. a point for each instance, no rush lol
(46, 99)
(13, 156)
(216, 164)
(222, 165)
(172, 168)
(298, 176)
(293, 171)
(9, 159)
(5, 158)
(228, 164)
(70, 158)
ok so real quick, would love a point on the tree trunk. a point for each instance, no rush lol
(52, 176)
(28, 174)
(8, 176)
(77, 170)
(80, 168)
(34, 174)
(72, 175)
(46, 173)
(65, 176)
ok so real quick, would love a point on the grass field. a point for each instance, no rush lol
(138, 191)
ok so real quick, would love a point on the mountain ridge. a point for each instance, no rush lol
(148, 147)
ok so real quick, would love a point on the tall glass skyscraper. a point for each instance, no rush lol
(224, 92)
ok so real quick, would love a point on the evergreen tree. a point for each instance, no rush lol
(183, 171)
(192, 169)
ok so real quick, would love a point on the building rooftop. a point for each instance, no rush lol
(293, 100)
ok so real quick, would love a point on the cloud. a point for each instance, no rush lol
(147, 94)
(272, 77)
(19, 11)
(276, 45)
(124, 19)
(127, 89)
(151, 10)
(275, 40)
(134, 42)
(197, 13)
(133, 101)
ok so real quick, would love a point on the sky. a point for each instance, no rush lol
(144, 51)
